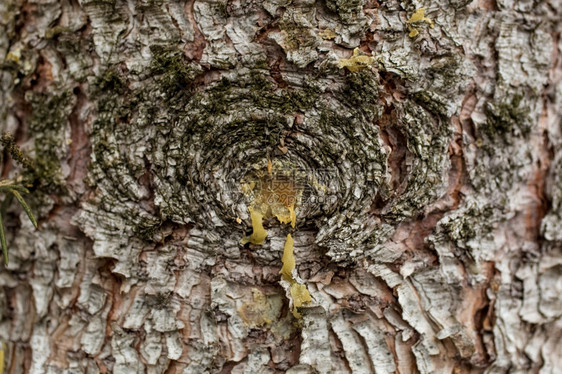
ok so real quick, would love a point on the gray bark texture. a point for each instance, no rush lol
(421, 141)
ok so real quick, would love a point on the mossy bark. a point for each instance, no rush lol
(424, 153)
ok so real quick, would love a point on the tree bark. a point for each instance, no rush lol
(421, 143)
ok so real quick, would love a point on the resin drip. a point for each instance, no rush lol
(299, 292)
(258, 232)
(274, 193)
(288, 259)
(1, 357)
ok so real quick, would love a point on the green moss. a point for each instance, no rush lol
(431, 102)
(115, 101)
(445, 69)
(173, 72)
(48, 111)
(347, 10)
(261, 91)
(221, 9)
(508, 117)
(111, 3)
(299, 99)
(146, 229)
(475, 221)
(362, 92)
(261, 65)
(48, 121)
(109, 82)
(296, 36)
(217, 100)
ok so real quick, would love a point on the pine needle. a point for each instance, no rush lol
(25, 207)
(3, 241)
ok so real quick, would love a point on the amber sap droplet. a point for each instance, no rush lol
(288, 259)
(258, 232)
(299, 292)
(276, 197)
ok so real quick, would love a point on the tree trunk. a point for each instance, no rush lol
(412, 150)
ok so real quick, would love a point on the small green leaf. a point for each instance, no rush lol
(3, 241)
(25, 206)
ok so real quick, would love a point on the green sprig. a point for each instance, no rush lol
(16, 190)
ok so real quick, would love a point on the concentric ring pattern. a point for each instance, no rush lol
(336, 131)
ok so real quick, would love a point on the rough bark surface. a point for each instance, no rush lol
(429, 235)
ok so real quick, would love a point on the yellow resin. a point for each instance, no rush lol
(273, 193)
(288, 215)
(2, 347)
(293, 215)
(299, 292)
(258, 232)
(418, 16)
(288, 259)
(300, 295)
(356, 62)
(413, 32)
